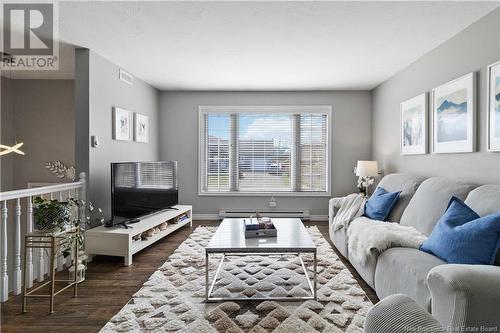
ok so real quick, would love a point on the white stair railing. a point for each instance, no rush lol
(61, 192)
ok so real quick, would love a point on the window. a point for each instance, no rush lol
(271, 149)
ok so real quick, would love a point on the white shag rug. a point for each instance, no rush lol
(172, 300)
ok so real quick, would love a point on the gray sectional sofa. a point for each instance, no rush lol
(458, 295)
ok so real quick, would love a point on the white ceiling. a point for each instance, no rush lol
(264, 45)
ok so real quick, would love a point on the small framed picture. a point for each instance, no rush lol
(414, 125)
(141, 128)
(454, 116)
(121, 124)
(494, 107)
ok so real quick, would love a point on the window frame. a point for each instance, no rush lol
(264, 109)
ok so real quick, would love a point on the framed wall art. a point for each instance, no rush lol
(141, 128)
(454, 116)
(121, 124)
(414, 121)
(493, 107)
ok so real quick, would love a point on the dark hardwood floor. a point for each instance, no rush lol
(108, 288)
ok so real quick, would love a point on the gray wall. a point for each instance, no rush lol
(106, 91)
(179, 141)
(30, 111)
(7, 134)
(45, 121)
(470, 50)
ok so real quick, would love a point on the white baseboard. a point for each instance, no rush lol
(319, 218)
(215, 217)
(206, 217)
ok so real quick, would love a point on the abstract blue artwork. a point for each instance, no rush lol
(452, 116)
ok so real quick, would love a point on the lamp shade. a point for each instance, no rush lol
(367, 169)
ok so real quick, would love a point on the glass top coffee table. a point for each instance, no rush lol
(229, 239)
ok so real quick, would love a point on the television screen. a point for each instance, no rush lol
(142, 188)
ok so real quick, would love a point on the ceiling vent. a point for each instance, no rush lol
(126, 77)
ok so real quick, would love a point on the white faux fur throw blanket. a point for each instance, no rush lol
(348, 208)
(366, 235)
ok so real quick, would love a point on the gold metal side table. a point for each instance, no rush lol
(53, 242)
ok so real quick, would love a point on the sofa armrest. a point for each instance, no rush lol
(333, 207)
(399, 313)
(465, 296)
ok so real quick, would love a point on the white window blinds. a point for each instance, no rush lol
(264, 152)
(264, 149)
(217, 143)
(313, 152)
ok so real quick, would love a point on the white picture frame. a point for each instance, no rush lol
(414, 125)
(121, 124)
(454, 116)
(141, 128)
(493, 107)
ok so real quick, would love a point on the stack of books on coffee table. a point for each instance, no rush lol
(259, 227)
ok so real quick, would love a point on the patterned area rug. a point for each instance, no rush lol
(172, 300)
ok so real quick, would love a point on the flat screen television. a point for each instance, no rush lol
(142, 188)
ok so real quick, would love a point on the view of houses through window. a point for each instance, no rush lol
(264, 152)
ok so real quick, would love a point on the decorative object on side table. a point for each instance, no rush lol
(414, 125)
(366, 172)
(454, 116)
(494, 107)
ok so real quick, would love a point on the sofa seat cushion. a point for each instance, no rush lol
(404, 271)
(407, 184)
(430, 202)
(339, 239)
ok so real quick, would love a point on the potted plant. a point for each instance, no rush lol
(51, 215)
(87, 216)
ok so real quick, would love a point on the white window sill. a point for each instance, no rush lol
(266, 194)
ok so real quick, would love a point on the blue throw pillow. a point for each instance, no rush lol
(380, 204)
(461, 236)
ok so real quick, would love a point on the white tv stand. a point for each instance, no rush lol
(117, 241)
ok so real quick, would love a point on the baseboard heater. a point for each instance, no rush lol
(302, 214)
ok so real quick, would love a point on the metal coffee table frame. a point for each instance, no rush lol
(279, 251)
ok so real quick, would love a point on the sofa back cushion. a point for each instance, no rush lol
(485, 200)
(430, 202)
(407, 184)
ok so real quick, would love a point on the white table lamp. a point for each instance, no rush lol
(366, 171)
